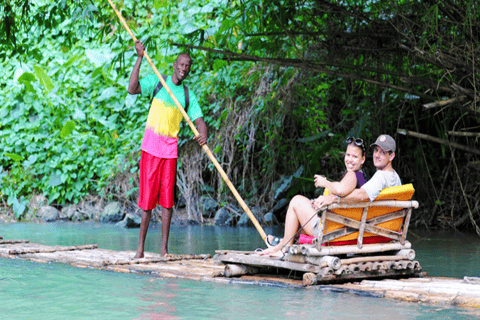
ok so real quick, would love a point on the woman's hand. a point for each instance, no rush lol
(320, 181)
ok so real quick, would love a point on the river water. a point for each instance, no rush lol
(31, 290)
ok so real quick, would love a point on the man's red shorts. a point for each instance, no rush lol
(157, 181)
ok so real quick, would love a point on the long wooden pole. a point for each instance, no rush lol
(195, 131)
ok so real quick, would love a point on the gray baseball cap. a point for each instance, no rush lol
(385, 142)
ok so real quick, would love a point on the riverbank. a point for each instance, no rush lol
(128, 214)
(92, 209)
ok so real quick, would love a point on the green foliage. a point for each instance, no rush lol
(68, 127)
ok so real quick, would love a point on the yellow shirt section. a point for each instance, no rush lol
(164, 119)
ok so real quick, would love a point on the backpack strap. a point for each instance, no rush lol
(160, 86)
(187, 98)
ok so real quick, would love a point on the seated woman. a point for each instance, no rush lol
(302, 211)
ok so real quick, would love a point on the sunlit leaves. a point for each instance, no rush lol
(107, 94)
(44, 79)
(26, 79)
(98, 57)
(67, 129)
(14, 157)
(54, 180)
(79, 114)
(19, 206)
(218, 64)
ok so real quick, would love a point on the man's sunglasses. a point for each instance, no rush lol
(357, 141)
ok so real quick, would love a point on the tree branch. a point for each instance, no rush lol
(306, 66)
(464, 134)
(438, 140)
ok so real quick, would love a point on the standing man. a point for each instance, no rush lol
(158, 162)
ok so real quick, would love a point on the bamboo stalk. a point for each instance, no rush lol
(196, 133)
(362, 228)
(13, 241)
(234, 251)
(235, 270)
(368, 204)
(263, 261)
(51, 249)
(160, 259)
(309, 279)
(406, 223)
(367, 248)
(371, 259)
(325, 261)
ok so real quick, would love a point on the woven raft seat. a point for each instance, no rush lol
(385, 219)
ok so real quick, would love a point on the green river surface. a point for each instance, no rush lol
(30, 290)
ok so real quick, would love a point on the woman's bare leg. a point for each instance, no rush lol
(300, 213)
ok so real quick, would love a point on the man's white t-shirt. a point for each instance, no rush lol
(380, 180)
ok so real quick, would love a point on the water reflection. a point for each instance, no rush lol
(447, 253)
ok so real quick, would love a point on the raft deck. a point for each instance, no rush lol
(439, 291)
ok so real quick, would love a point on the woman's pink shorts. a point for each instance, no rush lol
(157, 181)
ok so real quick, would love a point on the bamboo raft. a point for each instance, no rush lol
(329, 266)
(201, 267)
(359, 248)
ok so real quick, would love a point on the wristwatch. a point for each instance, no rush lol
(338, 198)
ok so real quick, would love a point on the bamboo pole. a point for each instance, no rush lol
(176, 257)
(235, 270)
(371, 259)
(51, 249)
(13, 241)
(195, 131)
(325, 261)
(367, 248)
(368, 204)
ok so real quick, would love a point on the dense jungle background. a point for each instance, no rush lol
(282, 84)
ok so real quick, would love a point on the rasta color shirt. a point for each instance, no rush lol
(163, 122)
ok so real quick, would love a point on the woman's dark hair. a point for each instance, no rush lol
(357, 142)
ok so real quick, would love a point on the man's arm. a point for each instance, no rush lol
(202, 130)
(134, 84)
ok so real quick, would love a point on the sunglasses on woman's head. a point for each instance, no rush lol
(357, 141)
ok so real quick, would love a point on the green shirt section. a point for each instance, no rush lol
(149, 83)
